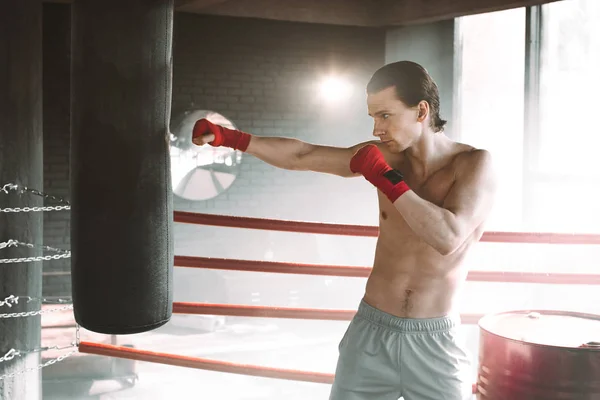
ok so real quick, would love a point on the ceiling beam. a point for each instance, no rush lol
(335, 12)
(409, 12)
(181, 5)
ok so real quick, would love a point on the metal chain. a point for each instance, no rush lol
(34, 209)
(46, 364)
(44, 195)
(9, 301)
(16, 243)
(12, 353)
(34, 313)
(9, 186)
(12, 242)
(50, 300)
(22, 189)
(12, 300)
(32, 259)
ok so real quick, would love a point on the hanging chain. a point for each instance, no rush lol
(44, 195)
(9, 301)
(46, 364)
(35, 312)
(32, 259)
(15, 243)
(34, 209)
(12, 300)
(12, 353)
(22, 189)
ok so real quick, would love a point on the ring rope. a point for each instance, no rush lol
(239, 310)
(363, 272)
(369, 231)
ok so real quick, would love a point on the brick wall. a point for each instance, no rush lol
(262, 75)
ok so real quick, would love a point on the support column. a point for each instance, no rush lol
(21, 162)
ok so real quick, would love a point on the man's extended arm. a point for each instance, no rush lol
(286, 153)
(444, 228)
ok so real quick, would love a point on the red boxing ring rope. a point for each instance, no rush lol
(363, 272)
(368, 231)
(280, 312)
(313, 269)
(202, 363)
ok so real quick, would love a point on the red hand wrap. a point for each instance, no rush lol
(369, 161)
(226, 137)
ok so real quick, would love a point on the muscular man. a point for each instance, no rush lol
(434, 196)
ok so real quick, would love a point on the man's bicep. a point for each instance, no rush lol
(331, 160)
(472, 195)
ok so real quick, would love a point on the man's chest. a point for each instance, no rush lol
(435, 189)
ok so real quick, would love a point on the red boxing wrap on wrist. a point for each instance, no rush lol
(226, 137)
(369, 161)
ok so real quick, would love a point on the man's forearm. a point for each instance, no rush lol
(435, 225)
(278, 151)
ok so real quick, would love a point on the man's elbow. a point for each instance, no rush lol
(450, 245)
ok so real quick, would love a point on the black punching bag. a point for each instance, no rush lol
(121, 209)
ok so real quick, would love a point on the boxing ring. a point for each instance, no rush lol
(312, 269)
(122, 195)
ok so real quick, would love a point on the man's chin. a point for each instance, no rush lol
(394, 147)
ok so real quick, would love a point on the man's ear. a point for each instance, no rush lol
(423, 111)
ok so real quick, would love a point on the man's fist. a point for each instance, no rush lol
(206, 132)
(203, 133)
(369, 162)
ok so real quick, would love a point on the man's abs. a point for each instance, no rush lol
(409, 278)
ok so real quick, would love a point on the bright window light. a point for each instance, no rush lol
(335, 88)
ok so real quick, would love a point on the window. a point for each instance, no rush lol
(490, 110)
(569, 88)
(565, 181)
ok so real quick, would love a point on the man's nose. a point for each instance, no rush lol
(378, 132)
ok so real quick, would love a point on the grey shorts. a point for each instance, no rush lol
(384, 357)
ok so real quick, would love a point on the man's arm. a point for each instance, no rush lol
(286, 153)
(294, 154)
(467, 205)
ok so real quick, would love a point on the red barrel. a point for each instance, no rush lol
(539, 355)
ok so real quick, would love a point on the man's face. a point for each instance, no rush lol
(395, 124)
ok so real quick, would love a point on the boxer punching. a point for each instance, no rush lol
(434, 196)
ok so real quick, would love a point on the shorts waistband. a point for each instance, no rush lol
(408, 325)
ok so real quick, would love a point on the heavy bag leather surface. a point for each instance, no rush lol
(122, 213)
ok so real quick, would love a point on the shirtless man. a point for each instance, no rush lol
(434, 196)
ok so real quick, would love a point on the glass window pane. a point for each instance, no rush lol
(491, 93)
(570, 83)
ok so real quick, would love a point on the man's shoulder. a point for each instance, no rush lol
(469, 157)
(475, 165)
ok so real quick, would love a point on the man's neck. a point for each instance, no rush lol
(425, 154)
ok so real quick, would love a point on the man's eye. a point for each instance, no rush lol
(385, 116)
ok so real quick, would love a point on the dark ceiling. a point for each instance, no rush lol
(371, 13)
